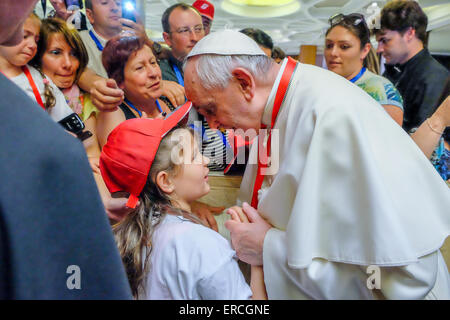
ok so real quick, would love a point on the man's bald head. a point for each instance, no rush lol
(13, 14)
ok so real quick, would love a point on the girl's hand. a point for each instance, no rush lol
(237, 214)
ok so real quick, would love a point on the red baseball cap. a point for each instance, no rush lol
(129, 152)
(205, 8)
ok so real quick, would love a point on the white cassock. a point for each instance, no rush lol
(352, 190)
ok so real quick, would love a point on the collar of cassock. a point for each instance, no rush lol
(267, 114)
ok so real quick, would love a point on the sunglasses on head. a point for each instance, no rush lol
(353, 18)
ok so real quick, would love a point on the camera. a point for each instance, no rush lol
(74, 124)
(73, 4)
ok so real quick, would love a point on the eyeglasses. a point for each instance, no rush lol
(198, 29)
(353, 18)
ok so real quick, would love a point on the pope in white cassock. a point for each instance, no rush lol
(348, 207)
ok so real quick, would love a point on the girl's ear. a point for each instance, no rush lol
(164, 183)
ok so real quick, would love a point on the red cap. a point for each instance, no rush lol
(205, 8)
(129, 152)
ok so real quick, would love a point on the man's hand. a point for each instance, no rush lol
(135, 27)
(61, 10)
(106, 95)
(116, 208)
(139, 29)
(174, 92)
(247, 238)
(206, 213)
(95, 164)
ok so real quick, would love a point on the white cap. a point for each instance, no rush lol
(226, 43)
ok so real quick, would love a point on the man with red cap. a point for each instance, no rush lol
(206, 9)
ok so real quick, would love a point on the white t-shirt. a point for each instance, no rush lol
(60, 110)
(192, 262)
(94, 53)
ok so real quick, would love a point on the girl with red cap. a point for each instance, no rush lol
(168, 253)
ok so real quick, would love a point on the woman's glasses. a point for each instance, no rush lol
(353, 18)
(198, 29)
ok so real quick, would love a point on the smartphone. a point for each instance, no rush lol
(73, 123)
(128, 9)
(70, 4)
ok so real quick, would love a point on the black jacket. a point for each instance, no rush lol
(420, 81)
(51, 215)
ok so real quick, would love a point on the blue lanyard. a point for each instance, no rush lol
(138, 111)
(97, 42)
(159, 107)
(359, 75)
(178, 74)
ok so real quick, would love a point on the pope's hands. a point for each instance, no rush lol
(237, 214)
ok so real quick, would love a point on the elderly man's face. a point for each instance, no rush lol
(12, 16)
(222, 108)
(186, 29)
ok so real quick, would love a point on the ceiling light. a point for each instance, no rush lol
(261, 8)
(262, 2)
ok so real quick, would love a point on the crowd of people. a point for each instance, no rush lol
(349, 169)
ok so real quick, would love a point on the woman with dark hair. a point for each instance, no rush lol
(263, 40)
(132, 64)
(278, 54)
(62, 56)
(348, 52)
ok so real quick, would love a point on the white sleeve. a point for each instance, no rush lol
(323, 279)
(195, 262)
(426, 279)
(227, 283)
(219, 275)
